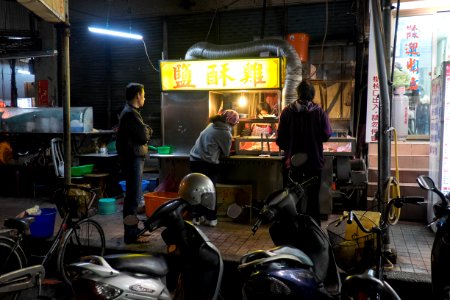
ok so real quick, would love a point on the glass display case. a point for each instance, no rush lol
(44, 119)
(256, 136)
(253, 145)
(340, 146)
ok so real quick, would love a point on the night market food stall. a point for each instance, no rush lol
(212, 78)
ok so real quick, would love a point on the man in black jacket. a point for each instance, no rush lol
(132, 138)
(303, 128)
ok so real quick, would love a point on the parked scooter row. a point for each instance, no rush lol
(307, 268)
(302, 266)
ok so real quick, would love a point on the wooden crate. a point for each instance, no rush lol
(228, 194)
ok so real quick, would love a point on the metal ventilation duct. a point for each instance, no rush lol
(251, 49)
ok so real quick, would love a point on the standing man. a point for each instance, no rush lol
(132, 138)
(303, 128)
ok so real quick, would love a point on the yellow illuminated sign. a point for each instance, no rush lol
(229, 74)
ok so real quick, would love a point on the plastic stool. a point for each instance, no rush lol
(97, 180)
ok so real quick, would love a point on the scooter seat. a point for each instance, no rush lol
(295, 252)
(153, 265)
(260, 254)
(20, 224)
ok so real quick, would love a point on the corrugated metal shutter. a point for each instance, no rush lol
(245, 26)
(311, 19)
(13, 17)
(87, 69)
(184, 31)
(91, 69)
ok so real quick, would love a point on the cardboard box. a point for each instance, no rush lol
(229, 194)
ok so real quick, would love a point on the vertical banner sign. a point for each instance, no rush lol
(434, 167)
(42, 93)
(445, 184)
(373, 89)
(413, 58)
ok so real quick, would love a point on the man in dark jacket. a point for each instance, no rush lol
(303, 128)
(132, 138)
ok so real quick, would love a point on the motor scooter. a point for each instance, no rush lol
(440, 258)
(302, 266)
(191, 260)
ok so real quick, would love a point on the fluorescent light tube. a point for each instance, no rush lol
(20, 71)
(115, 33)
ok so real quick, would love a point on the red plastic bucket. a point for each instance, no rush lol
(153, 200)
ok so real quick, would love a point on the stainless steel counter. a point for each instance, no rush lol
(264, 174)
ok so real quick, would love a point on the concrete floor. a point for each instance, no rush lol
(411, 241)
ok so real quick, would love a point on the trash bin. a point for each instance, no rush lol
(44, 224)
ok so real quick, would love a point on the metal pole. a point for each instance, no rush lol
(263, 23)
(66, 107)
(108, 85)
(12, 64)
(387, 12)
(384, 142)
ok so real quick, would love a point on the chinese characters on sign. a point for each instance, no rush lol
(259, 73)
(373, 91)
(410, 47)
(375, 107)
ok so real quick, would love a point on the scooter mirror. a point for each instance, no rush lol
(131, 220)
(426, 182)
(234, 210)
(298, 159)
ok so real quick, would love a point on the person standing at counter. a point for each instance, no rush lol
(214, 142)
(303, 128)
(132, 138)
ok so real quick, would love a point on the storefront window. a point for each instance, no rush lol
(413, 61)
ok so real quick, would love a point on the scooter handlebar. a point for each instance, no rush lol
(413, 199)
(352, 216)
(256, 226)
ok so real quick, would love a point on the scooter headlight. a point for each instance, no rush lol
(107, 291)
(89, 289)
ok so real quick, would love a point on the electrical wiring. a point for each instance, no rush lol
(211, 24)
(323, 42)
(149, 60)
(348, 197)
(393, 186)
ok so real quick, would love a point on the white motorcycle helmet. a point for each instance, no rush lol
(198, 189)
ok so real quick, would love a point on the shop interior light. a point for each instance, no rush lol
(242, 101)
(20, 71)
(115, 33)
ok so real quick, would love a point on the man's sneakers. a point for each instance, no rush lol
(202, 220)
(198, 221)
(139, 240)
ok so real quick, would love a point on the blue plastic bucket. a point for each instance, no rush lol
(145, 184)
(44, 224)
(107, 206)
(153, 184)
